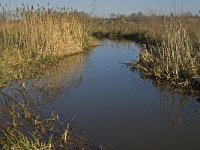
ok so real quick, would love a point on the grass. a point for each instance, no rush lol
(32, 39)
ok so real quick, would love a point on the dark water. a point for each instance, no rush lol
(114, 106)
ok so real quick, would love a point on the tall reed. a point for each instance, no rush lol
(175, 58)
(31, 36)
(171, 44)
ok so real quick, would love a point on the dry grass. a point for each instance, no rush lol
(32, 39)
(150, 26)
(171, 50)
(175, 59)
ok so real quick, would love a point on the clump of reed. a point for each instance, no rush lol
(31, 39)
(174, 59)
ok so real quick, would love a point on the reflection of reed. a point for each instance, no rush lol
(55, 82)
(22, 113)
(61, 78)
(174, 101)
(196, 117)
(174, 104)
(119, 44)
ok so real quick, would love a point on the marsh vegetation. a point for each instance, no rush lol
(171, 45)
(31, 41)
(34, 40)
(27, 123)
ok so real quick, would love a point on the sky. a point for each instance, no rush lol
(104, 8)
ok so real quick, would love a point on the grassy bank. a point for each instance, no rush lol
(32, 39)
(175, 59)
(171, 46)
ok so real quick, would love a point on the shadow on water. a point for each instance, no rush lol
(112, 105)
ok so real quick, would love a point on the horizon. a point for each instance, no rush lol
(103, 8)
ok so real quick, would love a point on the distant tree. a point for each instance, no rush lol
(140, 14)
(139, 17)
(133, 15)
(171, 14)
(2, 16)
(112, 15)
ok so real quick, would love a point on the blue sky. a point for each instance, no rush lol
(106, 7)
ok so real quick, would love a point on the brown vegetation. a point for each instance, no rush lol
(171, 45)
(31, 39)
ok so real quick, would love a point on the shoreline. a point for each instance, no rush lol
(183, 84)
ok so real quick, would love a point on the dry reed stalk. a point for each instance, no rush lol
(36, 37)
(174, 58)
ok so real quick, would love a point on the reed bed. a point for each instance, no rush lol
(171, 45)
(32, 39)
(175, 59)
(146, 27)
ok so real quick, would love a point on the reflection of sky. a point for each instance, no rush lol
(105, 7)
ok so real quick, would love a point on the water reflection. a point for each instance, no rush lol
(126, 45)
(24, 104)
(60, 79)
(56, 81)
(39, 93)
(196, 117)
(174, 104)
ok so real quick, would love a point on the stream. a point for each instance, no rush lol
(115, 106)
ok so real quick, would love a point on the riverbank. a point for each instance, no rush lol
(38, 39)
(170, 48)
(174, 61)
(138, 37)
(31, 42)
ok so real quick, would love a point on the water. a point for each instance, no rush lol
(114, 106)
